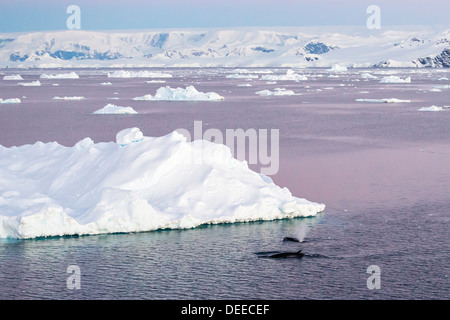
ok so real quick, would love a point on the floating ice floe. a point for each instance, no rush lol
(179, 94)
(431, 108)
(10, 101)
(242, 76)
(156, 81)
(395, 79)
(251, 71)
(445, 86)
(106, 84)
(13, 77)
(36, 83)
(69, 98)
(338, 68)
(276, 92)
(368, 76)
(113, 109)
(435, 90)
(71, 75)
(137, 74)
(289, 76)
(135, 184)
(386, 100)
(244, 85)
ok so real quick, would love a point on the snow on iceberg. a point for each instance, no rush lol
(113, 109)
(385, 100)
(137, 74)
(180, 94)
(395, 79)
(431, 108)
(47, 189)
(71, 75)
(13, 77)
(289, 76)
(30, 84)
(11, 100)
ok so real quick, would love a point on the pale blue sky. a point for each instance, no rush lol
(28, 15)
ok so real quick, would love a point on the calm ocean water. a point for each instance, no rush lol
(382, 170)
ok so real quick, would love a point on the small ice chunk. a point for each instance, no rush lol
(431, 108)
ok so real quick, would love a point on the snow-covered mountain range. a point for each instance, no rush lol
(406, 46)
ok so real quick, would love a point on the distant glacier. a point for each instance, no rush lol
(406, 46)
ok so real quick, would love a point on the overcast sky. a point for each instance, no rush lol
(37, 15)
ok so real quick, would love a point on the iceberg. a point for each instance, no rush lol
(431, 108)
(155, 81)
(30, 84)
(113, 109)
(11, 100)
(179, 94)
(242, 76)
(69, 98)
(289, 76)
(71, 75)
(134, 184)
(251, 71)
(338, 68)
(368, 76)
(137, 74)
(13, 77)
(385, 100)
(395, 79)
(276, 92)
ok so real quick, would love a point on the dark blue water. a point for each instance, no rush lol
(382, 170)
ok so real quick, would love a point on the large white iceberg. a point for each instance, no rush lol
(179, 94)
(135, 184)
(137, 74)
(70, 75)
